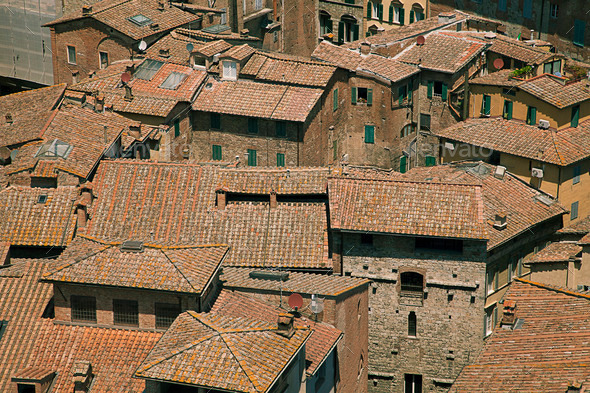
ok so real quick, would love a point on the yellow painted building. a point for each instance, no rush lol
(384, 15)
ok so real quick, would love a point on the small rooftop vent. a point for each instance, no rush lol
(500, 221)
(132, 246)
(269, 275)
(500, 172)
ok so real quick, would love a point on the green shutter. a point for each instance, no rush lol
(216, 152)
(575, 116)
(579, 27)
(410, 89)
(403, 164)
(507, 110)
(411, 16)
(353, 95)
(381, 12)
(329, 26)
(369, 96)
(547, 68)
(355, 32)
(280, 159)
(251, 157)
(176, 128)
(401, 92)
(369, 10)
(485, 105)
(430, 161)
(391, 13)
(401, 16)
(335, 99)
(369, 134)
(341, 32)
(531, 116)
(430, 88)
(444, 91)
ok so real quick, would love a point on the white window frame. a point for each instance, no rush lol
(396, 12)
(489, 321)
(100, 59)
(374, 10)
(257, 5)
(230, 72)
(68, 51)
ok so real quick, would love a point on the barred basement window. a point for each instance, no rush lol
(166, 313)
(125, 312)
(83, 308)
(412, 282)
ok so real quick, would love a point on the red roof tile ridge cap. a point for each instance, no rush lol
(57, 105)
(438, 183)
(196, 290)
(295, 59)
(124, 161)
(553, 288)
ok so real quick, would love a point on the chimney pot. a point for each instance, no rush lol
(99, 105)
(86, 193)
(509, 313)
(161, 5)
(273, 199)
(128, 93)
(365, 48)
(82, 376)
(81, 212)
(285, 325)
(221, 199)
(135, 131)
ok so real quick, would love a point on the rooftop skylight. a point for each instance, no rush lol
(140, 20)
(54, 149)
(173, 80)
(148, 69)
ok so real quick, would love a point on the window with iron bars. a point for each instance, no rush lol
(166, 313)
(125, 312)
(83, 308)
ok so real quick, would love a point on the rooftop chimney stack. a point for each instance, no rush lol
(221, 199)
(509, 313)
(273, 199)
(81, 211)
(500, 220)
(285, 325)
(365, 48)
(99, 106)
(82, 376)
(128, 93)
(135, 131)
(86, 10)
(75, 77)
(161, 5)
(86, 193)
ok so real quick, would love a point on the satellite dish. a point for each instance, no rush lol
(317, 304)
(142, 45)
(420, 40)
(557, 73)
(189, 46)
(295, 301)
(499, 64)
(125, 77)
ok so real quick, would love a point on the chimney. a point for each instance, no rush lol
(135, 131)
(221, 198)
(128, 93)
(130, 69)
(273, 199)
(86, 10)
(161, 5)
(91, 74)
(75, 77)
(165, 52)
(508, 315)
(285, 325)
(86, 193)
(8, 118)
(82, 213)
(99, 106)
(244, 32)
(500, 220)
(82, 376)
(575, 387)
(105, 134)
(154, 26)
(365, 48)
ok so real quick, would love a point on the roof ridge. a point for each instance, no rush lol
(553, 288)
(76, 261)
(180, 271)
(238, 357)
(341, 177)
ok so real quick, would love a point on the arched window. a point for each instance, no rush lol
(325, 23)
(412, 282)
(412, 324)
(408, 130)
(348, 29)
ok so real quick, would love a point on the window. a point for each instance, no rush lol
(71, 54)
(403, 164)
(553, 10)
(369, 133)
(148, 69)
(281, 159)
(173, 81)
(485, 105)
(411, 16)
(424, 121)
(176, 128)
(576, 178)
(125, 312)
(408, 130)
(367, 238)
(507, 113)
(251, 157)
(490, 281)
(394, 14)
(140, 20)
(83, 308)
(348, 29)
(223, 19)
(280, 129)
(166, 313)
(439, 244)
(502, 5)
(373, 10)
(216, 153)
(54, 149)
(552, 67)
(335, 98)
(579, 27)
(258, 4)
(575, 116)
(3, 325)
(402, 94)
(519, 266)
(531, 116)
(527, 9)
(419, 15)
(574, 211)
(412, 383)
(252, 125)
(412, 324)
(103, 59)
(489, 320)
(215, 119)
(25, 388)
(42, 198)
(361, 95)
(412, 282)
(230, 70)
(430, 161)
(437, 89)
(326, 26)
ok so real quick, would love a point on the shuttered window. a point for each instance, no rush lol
(430, 161)
(579, 27)
(575, 115)
(280, 159)
(403, 164)
(251, 157)
(485, 105)
(216, 153)
(369, 133)
(430, 88)
(507, 110)
(531, 115)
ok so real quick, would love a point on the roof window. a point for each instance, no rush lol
(140, 20)
(42, 198)
(173, 80)
(132, 246)
(148, 69)
(54, 149)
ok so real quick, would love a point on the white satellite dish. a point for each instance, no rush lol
(142, 45)
(317, 305)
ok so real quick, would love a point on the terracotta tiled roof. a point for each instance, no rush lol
(31, 340)
(178, 206)
(4, 250)
(524, 206)
(287, 69)
(116, 14)
(213, 48)
(443, 52)
(318, 284)
(205, 36)
(27, 222)
(31, 112)
(557, 252)
(321, 343)
(498, 78)
(264, 180)
(513, 48)
(165, 268)
(338, 55)
(220, 352)
(563, 147)
(546, 353)
(239, 52)
(581, 227)
(584, 240)
(257, 99)
(401, 207)
(175, 45)
(555, 90)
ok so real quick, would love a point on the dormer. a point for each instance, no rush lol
(231, 61)
(32, 380)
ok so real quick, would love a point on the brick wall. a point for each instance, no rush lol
(300, 27)
(449, 329)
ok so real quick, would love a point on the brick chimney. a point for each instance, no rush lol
(273, 199)
(221, 198)
(86, 193)
(285, 325)
(81, 211)
(82, 376)
(509, 313)
(75, 75)
(365, 48)
(99, 105)
(500, 220)
(576, 386)
(161, 5)
(86, 10)
(135, 131)
(128, 92)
